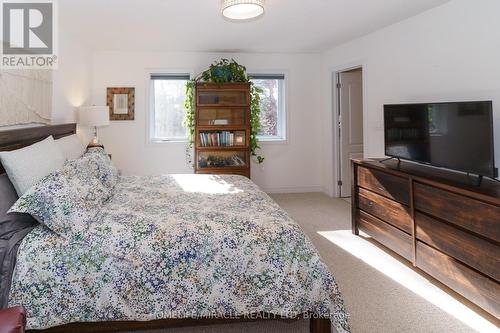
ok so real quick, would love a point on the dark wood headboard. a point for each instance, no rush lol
(22, 137)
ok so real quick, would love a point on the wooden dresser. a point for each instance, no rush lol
(434, 219)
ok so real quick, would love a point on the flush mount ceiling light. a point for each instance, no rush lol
(242, 9)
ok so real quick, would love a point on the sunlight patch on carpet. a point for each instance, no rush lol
(405, 276)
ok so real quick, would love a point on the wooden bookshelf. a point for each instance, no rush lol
(222, 129)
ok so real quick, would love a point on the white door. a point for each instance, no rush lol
(350, 92)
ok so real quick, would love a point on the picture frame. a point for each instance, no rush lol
(121, 103)
(239, 138)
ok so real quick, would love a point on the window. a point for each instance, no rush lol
(272, 104)
(168, 93)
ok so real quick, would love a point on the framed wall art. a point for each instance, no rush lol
(121, 102)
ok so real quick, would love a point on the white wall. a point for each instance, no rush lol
(291, 167)
(449, 53)
(71, 80)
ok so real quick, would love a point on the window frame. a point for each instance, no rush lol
(151, 77)
(282, 136)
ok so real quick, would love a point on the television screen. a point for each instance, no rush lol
(457, 136)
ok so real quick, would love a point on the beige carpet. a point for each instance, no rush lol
(374, 300)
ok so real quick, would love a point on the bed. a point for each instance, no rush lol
(167, 251)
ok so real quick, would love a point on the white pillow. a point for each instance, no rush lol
(71, 147)
(26, 166)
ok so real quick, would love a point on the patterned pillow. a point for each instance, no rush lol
(101, 166)
(67, 200)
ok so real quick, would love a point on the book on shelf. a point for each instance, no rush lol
(217, 139)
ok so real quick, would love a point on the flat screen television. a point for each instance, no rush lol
(456, 136)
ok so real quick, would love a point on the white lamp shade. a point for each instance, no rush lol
(91, 116)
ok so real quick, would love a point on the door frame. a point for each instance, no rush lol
(335, 117)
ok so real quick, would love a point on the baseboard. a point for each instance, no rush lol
(293, 189)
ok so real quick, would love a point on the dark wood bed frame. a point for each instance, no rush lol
(22, 137)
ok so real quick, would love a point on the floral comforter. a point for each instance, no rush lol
(173, 247)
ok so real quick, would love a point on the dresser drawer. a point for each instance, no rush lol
(385, 209)
(474, 251)
(468, 213)
(478, 288)
(385, 184)
(391, 237)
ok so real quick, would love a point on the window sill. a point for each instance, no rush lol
(161, 142)
(279, 141)
(185, 141)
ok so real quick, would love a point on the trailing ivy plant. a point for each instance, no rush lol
(220, 72)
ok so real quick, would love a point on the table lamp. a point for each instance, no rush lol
(94, 116)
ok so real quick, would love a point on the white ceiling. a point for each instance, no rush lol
(197, 25)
